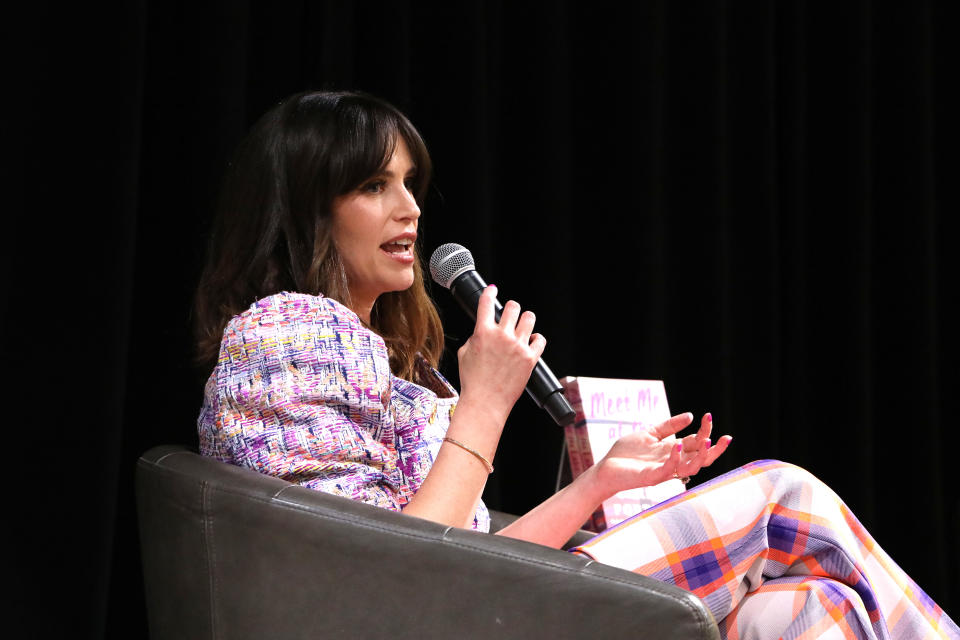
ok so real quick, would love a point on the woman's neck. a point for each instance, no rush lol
(363, 308)
(363, 312)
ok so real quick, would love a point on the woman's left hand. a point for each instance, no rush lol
(651, 456)
(640, 459)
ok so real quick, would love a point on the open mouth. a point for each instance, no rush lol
(399, 248)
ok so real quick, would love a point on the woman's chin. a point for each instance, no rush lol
(401, 284)
(405, 286)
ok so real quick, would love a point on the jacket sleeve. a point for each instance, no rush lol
(302, 393)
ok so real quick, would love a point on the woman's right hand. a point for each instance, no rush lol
(497, 360)
(495, 364)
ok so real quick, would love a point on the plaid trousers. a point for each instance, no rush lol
(774, 553)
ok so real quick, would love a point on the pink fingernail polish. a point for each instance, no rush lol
(709, 417)
(679, 447)
(708, 443)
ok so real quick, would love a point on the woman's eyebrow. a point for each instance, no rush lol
(387, 173)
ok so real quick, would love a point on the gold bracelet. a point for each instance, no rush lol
(473, 452)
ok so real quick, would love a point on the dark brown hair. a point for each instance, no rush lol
(272, 230)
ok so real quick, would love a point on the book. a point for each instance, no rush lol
(607, 409)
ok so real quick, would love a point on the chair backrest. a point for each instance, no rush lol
(230, 553)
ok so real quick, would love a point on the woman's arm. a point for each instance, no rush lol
(495, 364)
(641, 459)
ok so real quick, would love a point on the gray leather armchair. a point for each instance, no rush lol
(230, 553)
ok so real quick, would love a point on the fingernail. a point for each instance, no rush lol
(709, 417)
(679, 447)
(708, 443)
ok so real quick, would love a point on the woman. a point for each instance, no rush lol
(313, 314)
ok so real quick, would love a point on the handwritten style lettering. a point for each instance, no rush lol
(604, 405)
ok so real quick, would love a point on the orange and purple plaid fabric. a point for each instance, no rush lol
(774, 553)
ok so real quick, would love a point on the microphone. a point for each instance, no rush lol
(452, 267)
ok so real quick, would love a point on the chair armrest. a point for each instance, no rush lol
(232, 553)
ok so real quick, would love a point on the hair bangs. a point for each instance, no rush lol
(366, 144)
(367, 135)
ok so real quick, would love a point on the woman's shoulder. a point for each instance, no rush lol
(298, 326)
(288, 309)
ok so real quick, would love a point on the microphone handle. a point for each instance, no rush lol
(543, 386)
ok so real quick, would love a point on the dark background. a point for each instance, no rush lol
(748, 200)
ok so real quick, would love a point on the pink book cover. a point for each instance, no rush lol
(607, 409)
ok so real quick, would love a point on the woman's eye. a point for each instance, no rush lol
(409, 183)
(376, 186)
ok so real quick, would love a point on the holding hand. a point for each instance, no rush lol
(495, 364)
(649, 457)
(497, 360)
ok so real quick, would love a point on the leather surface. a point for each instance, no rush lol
(230, 553)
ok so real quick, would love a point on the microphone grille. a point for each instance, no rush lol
(449, 261)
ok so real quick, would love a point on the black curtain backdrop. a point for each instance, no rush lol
(747, 200)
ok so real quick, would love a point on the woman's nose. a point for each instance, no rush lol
(408, 207)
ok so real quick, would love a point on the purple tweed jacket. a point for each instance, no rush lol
(303, 391)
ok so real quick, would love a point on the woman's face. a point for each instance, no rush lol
(374, 228)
